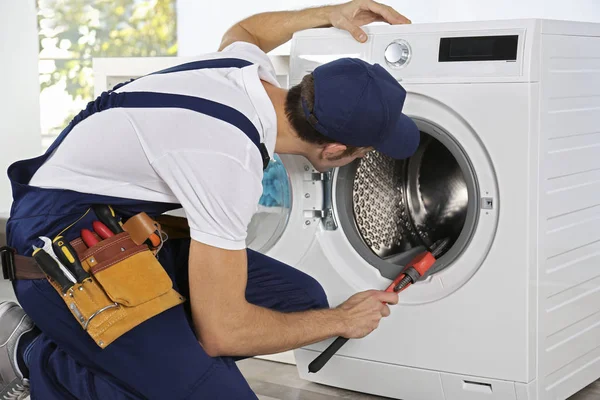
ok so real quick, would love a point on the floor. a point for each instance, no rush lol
(276, 381)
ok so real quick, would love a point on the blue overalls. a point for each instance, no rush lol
(161, 358)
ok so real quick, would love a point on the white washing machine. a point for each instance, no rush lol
(508, 171)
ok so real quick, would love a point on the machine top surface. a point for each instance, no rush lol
(544, 26)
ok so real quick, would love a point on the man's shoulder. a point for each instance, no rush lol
(249, 51)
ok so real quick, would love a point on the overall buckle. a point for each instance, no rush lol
(7, 258)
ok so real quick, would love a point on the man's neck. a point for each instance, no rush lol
(287, 142)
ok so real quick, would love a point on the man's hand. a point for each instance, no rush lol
(362, 312)
(351, 16)
(270, 30)
(227, 325)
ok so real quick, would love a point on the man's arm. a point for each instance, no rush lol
(272, 29)
(228, 325)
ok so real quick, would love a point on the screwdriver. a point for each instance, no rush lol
(49, 249)
(102, 230)
(50, 267)
(88, 238)
(67, 255)
(108, 217)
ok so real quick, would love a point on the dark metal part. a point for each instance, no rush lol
(440, 247)
(413, 274)
(407, 280)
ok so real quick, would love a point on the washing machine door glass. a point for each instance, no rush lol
(271, 218)
(393, 209)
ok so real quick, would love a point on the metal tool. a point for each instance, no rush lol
(67, 255)
(409, 275)
(102, 230)
(51, 268)
(108, 217)
(48, 248)
(88, 238)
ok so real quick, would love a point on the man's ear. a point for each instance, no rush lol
(333, 150)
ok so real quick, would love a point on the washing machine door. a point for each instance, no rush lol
(291, 209)
(443, 198)
(273, 210)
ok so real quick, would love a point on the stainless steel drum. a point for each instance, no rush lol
(392, 209)
(400, 205)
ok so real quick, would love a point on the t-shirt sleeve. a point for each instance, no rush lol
(218, 194)
(252, 53)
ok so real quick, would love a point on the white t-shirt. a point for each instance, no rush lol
(176, 155)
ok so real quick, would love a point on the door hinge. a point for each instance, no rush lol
(325, 214)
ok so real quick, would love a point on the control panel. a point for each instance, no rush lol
(415, 54)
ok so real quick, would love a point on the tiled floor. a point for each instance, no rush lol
(275, 381)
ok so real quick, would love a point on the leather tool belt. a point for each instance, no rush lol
(126, 286)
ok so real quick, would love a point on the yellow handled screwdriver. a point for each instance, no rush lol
(68, 257)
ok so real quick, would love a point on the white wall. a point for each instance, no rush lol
(19, 104)
(201, 24)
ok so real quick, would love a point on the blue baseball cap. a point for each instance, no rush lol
(360, 104)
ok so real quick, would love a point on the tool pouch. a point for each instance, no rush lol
(127, 286)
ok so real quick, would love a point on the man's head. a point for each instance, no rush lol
(347, 108)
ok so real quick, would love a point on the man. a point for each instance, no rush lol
(198, 137)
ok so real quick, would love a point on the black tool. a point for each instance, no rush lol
(108, 217)
(68, 257)
(50, 267)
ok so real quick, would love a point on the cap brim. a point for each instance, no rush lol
(402, 140)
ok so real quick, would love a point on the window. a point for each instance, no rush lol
(73, 32)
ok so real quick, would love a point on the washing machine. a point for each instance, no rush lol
(507, 175)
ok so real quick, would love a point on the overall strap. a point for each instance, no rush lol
(108, 100)
(111, 99)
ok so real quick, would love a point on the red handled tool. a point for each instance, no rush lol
(88, 238)
(413, 271)
(102, 230)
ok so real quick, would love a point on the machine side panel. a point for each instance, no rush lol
(569, 236)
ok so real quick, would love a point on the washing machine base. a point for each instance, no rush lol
(399, 382)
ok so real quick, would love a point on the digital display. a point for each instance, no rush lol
(479, 48)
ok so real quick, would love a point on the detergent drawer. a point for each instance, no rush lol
(460, 387)
(381, 379)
